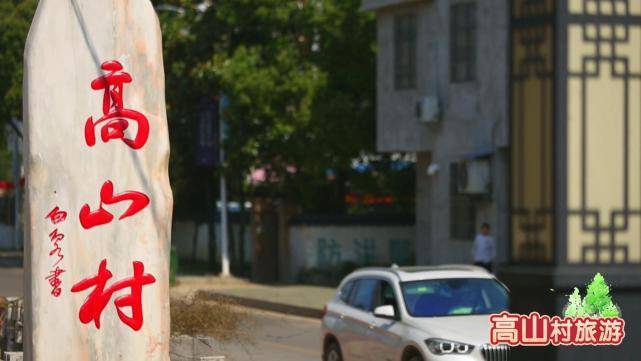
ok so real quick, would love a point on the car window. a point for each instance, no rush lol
(345, 291)
(454, 297)
(363, 294)
(386, 296)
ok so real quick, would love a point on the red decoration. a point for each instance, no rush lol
(115, 116)
(90, 219)
(97, 300)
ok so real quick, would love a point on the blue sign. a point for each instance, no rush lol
(207, 134)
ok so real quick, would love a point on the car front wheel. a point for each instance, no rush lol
(333, 352)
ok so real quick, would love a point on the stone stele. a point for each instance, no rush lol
(67, 45)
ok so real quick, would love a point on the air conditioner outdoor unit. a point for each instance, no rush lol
(428, 110)
(474, 177)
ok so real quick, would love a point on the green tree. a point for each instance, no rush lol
(574, 308)
(15, 20)
(598, 301)
(300, 76)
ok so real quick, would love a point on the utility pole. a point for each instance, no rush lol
(224, 242)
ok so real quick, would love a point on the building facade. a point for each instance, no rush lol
(525, 114)
(468, 85)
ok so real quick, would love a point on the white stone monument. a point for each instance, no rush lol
(99, 204)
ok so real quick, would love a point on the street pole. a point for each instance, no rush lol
(224, 245)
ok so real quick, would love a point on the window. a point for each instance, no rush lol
(462, 210)
(463, 42)
(454, 297)
(386, 296)
(405, 51)
(363, 294)
(345, 291)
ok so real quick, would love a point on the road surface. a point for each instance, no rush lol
(278, 337)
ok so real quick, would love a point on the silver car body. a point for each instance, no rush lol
(364, 337)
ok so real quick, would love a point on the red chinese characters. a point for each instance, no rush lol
(90, 219)
(56, 216)
(537, 330)
(116, 123)
(100, 296)
(116, 118)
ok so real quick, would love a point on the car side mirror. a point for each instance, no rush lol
(386, 311)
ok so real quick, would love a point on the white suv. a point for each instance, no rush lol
(414, 314)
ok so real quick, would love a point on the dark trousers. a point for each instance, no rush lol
(487, 266)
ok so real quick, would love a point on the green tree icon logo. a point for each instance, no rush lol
(597, 301)
(574, 307)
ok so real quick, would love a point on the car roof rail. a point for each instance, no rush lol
(444, 267)
(395, 269)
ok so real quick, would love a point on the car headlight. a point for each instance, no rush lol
(444, 347)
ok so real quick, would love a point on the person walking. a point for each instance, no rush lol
(484, 249)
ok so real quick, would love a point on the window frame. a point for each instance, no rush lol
(463, 24)
(405, 40)
(352, 283)
(397, 301)
(377, 293)
(354, 291)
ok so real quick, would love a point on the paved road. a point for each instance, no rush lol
(270, 337)
(278, 337)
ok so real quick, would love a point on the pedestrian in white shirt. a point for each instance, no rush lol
(484, 249)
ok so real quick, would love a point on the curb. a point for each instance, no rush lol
(283, 308)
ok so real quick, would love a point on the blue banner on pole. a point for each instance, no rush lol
(207, 134)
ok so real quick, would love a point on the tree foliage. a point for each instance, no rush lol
(15, 20)
(574, 307)
(300, 76)
(597, 301)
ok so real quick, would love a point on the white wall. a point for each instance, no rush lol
(325, 246)
(183, 235)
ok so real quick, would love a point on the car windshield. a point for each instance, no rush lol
(454, 297)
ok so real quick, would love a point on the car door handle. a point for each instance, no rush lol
(341, 316)
(372, 326)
